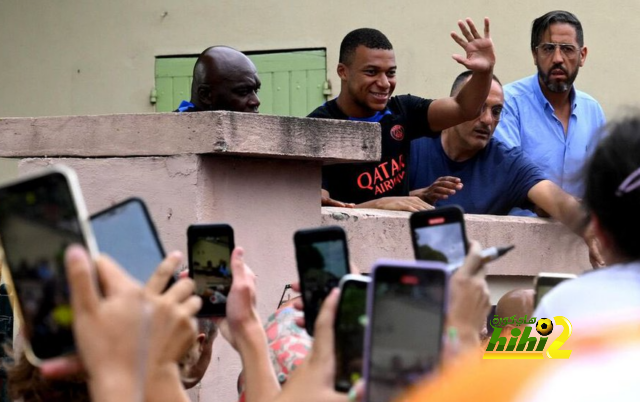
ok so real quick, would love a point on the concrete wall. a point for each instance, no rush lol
(261, 174)
(189, 189)
(266, 186)
(72, 57)
(541, 245)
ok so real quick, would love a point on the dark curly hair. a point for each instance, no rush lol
(615, 159)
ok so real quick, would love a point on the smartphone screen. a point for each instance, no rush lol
(405, 330)
(323, 260)
(210, 248)
(126, 233)
(439, 235)
(351, 320)
(38, 221)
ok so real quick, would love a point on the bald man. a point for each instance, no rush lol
(518, 302)
(223, 79)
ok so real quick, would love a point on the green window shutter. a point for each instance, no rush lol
(292, 82)
(173, 82)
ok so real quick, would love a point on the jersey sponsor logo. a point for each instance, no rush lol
(384, 177)
(397, 132)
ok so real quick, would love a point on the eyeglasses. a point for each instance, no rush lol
(567, 50)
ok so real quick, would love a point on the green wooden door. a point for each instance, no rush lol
(292, 82)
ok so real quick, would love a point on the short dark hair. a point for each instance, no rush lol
(462, 77)
(207, 327)
(613, 161)
(367, 37)
(541, 24)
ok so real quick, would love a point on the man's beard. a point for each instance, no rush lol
(557, 86)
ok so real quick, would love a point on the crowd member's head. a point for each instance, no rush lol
(225, 79)
(195, 363)
(518, 302)
(27, 385)
(557, 45)
(367, 70)
(612, 191)
(473, 135)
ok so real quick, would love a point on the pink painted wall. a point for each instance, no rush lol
(268, 190)
(264, 200)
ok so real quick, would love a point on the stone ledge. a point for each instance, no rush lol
(160, 134)
(541, 244)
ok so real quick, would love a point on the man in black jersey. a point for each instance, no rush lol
(367, 70)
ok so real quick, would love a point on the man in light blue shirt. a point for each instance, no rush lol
(555, 125)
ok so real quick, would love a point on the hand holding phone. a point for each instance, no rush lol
(209, 248)
(40, 216)
(323, 259)
(164, 322)
(405, 306)
(469, 297)
(350, 323)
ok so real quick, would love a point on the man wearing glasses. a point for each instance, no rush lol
(553, 123)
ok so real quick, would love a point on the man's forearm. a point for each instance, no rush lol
(163, 384)
(474, 94)
(560, 205)
(571, 213)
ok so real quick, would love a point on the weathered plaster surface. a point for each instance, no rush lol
(265, 201)
(541, 245)
(157, 134)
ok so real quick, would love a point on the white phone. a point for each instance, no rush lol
(41, 214)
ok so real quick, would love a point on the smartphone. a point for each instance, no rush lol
(323, 259)
(350, 323)
(406, 307)
(544, 282)
(439, 235)
(209, 249)
(40, 216)
(127, 234)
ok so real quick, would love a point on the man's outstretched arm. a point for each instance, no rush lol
(563, 207)
(467, 104)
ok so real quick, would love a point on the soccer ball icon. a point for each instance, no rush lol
(544, 326)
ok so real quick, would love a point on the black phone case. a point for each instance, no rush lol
(147, 215)
(309, 236)
(451, 213)
(195, 232)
